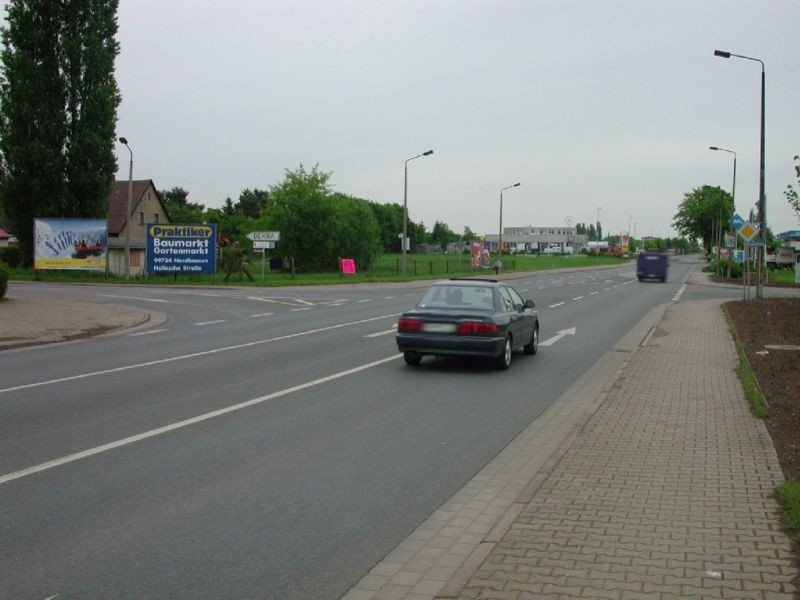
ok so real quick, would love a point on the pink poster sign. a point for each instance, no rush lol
(348, 266)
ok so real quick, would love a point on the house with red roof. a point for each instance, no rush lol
(4, 238)
(147, 207)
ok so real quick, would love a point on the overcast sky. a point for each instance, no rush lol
(588, 104)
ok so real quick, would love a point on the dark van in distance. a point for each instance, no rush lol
(652, 265)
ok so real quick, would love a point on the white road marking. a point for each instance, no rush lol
(268, 300)
(557, 305)
(152, 331)
(679, 293)
(134, 298)
(380, 333)
(558, 336)
(362, 301)
(186, 422)
(390, 298)
(298, 309)
(578, 298)
(209, 323)
(194, 355)
(593, 293)
(260, 315)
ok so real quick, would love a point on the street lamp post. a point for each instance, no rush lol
(128, 213)
(733, 189)
(762, 200)
(405, 207)
(500, 240)
(629, 235)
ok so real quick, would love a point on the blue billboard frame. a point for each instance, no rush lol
(181, 248)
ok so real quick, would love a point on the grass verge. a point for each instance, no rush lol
(386, 268)
(788, 495)
(758, 403)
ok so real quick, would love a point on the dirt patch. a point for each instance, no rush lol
(769, 330)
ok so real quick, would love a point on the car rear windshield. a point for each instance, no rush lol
(458, 296)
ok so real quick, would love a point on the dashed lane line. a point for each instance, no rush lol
(151, 332)
(193, 355)
(134, 298)
(380, 333)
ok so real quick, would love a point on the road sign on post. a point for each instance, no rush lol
(264, 236)
(263, 245)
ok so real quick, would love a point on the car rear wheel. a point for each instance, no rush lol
(412, 358)
(533, 346)
(503, 361)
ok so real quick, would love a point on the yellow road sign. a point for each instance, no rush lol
(748, 231)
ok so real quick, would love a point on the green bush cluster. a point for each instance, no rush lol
(5, 273)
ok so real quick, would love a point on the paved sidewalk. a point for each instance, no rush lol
(28, 321)
(649, 478)
(665, 493)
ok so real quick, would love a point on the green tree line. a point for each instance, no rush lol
(58, 111)
(318, 226)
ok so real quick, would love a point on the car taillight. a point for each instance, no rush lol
(409, 325)
(476, 328)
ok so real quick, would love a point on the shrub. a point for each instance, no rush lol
(5, 273)
(11, 256)
(736, 268)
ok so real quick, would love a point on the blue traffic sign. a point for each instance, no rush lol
(737, 221)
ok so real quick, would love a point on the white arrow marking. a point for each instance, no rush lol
(558, 336)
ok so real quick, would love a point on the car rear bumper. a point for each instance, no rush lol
(450, 345)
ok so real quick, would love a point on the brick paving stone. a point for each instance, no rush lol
(665, 492)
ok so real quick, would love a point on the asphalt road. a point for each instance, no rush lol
(266, 443)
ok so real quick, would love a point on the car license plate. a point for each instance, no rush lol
(439, 327)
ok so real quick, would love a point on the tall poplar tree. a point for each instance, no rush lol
(58, 111)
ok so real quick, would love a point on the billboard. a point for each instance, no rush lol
(181, 248)
(70, 244)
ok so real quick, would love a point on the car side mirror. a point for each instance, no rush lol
(530, 304)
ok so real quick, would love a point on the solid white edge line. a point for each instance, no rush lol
(194, 355)
(186, 422)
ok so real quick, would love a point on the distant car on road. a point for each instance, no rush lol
(469, 317)
(652, 265)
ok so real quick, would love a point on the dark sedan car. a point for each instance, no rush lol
(469, 317)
